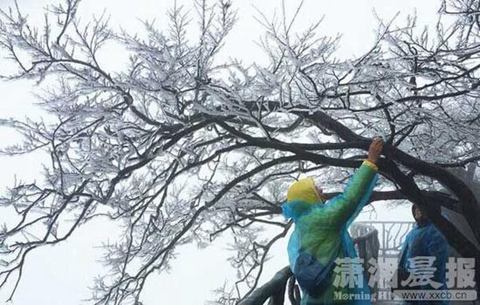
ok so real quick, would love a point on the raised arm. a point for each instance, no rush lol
(344, 206)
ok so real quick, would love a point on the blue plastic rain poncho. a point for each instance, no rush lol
(321, 229)
(424, 240)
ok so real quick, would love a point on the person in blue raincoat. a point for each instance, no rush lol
(423, 259)
(321, 234)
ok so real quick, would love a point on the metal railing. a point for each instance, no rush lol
(391, 235)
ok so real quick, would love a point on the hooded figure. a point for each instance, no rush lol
(321, 232)
(423, 241)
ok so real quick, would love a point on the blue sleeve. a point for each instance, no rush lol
(437, 246)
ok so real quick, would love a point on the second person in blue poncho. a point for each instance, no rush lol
(427, 248)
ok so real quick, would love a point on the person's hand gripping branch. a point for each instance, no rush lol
(375, 150)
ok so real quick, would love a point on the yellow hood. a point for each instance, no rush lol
(304, 190)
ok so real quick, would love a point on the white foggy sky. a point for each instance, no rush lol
(62, 274)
